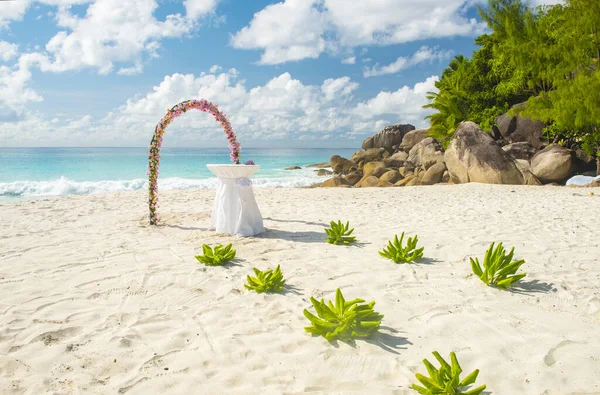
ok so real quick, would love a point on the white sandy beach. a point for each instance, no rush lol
(93, 300)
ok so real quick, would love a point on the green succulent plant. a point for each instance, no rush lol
(339, 233)
(269, 280)
(345, 321)
(217, 257)
(446, 380)
(399, 254)
(499, 270)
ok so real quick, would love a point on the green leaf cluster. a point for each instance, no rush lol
(217, 257)
(345, 320)
(400, 254)
(267, 281)
(339, 233)
(499, 270)
(446, 380)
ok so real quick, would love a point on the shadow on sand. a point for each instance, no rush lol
(185, 227)
(287, 289)
(229, 265)
(297, 221)
(427, 261)
(301, 237)
(533, 286)
(387, 341)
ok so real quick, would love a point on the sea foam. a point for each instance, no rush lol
(65, 186)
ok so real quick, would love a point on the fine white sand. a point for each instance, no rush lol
(94, 300)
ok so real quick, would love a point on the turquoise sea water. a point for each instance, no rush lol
(29, 173)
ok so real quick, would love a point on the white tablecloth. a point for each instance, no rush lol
(235, 210)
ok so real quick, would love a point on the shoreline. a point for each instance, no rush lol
(313, 186)
(96, 300)
(14, 191)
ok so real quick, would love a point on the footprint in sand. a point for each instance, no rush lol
(52, 337)
(549, 358)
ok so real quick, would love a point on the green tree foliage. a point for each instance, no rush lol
(572, 105)
(514, 37)
(548, 57)
(472, 89)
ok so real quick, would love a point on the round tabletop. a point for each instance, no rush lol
(232, 170)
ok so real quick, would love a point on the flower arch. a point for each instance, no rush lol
(156, 143)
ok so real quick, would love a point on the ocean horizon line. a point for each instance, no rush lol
(128, 147)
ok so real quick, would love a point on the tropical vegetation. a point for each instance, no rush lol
(546, 57)
(499, 270)
(403, 254)
(216, 257)
(446, 380)
(345, 320)
(339, 233)
(266, 281)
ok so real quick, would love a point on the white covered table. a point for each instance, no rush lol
(235, 210)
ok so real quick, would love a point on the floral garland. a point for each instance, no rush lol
(156, 143)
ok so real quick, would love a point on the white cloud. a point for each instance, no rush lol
(199, 8)
(134, 70)
(222, 88)
(298, 29)
(382, 22)
(215, 68)
(12, 11)
(399, 64)
(284, 107)
(338, 88)
(35, 130)
(423, 55)
(8, 50)
(14, 93)
(406, 101)
(283, 97)
(122, 32)
(112, 31)
(349, 60)
(287, 31)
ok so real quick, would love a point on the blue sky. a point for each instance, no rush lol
(309, 73)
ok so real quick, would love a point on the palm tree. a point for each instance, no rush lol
(449, 102)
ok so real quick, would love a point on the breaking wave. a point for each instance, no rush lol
(64, 186)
